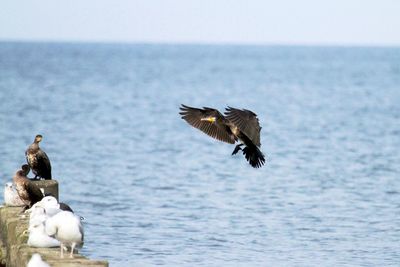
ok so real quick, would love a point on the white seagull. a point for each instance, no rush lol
(11, 197)
(36, 261)
(38, 214)
(66, 228)
(51, 205)
(38, 236)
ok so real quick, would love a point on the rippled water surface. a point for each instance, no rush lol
(155, 191)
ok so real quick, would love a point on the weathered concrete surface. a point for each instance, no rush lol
(49, 187)
(14, 252)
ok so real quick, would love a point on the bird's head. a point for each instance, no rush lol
(210, 119)
(38, 138)
(50, 202)
(25, 169)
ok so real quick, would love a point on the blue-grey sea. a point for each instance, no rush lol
(155, 191)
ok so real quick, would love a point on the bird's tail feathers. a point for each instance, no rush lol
(254, 156)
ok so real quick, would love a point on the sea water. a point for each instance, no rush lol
(155, 191)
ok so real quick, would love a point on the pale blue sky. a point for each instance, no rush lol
(339, 22)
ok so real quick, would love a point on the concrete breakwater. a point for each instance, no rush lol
(14, 251)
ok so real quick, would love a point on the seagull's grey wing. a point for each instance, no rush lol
(82, 232)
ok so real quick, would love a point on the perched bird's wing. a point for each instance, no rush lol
(82, 233)
(43, 164)
(218, 129)
(66, 207)
(35, 195)
(246, 121)
(28, 157)
(22, 193)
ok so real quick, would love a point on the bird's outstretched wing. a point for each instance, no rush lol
(246, 121)
(217, 129)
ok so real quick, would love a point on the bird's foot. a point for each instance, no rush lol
(237, 148)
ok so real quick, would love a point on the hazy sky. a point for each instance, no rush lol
(354, 22)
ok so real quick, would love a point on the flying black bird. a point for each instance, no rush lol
(237, 125)
(37, 160)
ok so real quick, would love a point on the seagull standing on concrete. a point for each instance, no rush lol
(11, 197)
(38, 236)
(66, 228)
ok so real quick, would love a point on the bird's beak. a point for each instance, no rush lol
(209, 119)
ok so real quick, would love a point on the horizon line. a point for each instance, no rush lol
(197, 43)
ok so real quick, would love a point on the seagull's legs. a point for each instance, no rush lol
(61, 250)
(237, 148)
(72, 249)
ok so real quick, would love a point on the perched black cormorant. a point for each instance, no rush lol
(37, 160)
(28, 191)
(237, 125)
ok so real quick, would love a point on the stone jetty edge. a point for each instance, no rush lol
(14, 252)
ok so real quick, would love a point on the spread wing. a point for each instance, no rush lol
(217, 129)
(246, 121)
